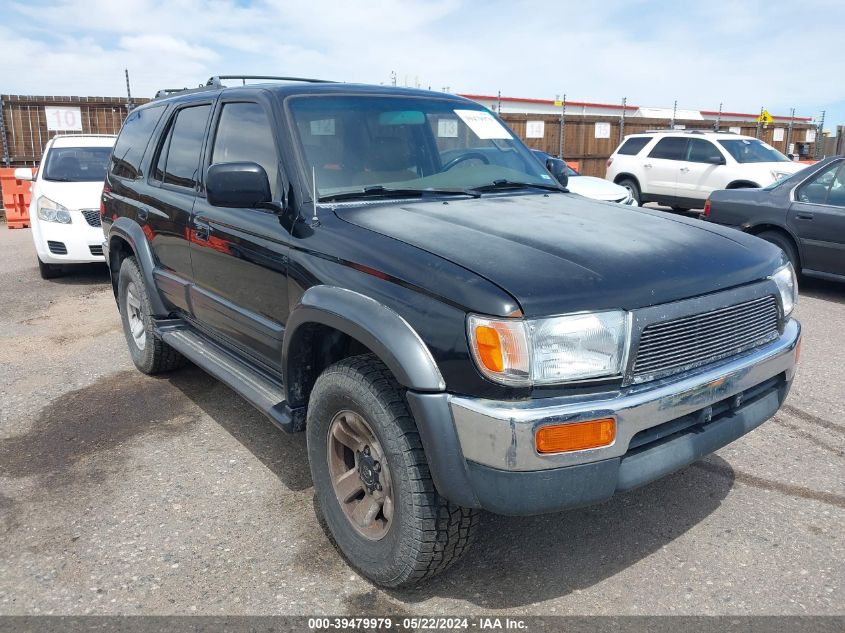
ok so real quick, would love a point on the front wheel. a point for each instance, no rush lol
(632, 188)
(49, 271)
(372, 481)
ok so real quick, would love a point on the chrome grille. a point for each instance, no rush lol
(92, 216)
(676, 346)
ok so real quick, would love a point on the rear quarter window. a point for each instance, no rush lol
(634, 145)
(132, 142)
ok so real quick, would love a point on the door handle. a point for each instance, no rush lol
(647, 165)
(201, 230)
(685, 169)
(805, 216)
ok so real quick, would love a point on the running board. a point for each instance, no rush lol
(261, 390)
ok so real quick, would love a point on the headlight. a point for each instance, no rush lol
(51, 211)
(787, 284)
(549, 351)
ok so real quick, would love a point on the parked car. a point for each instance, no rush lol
(65, 206)
(587, 186)
(681, 168)
(452, 334)
(804, 215)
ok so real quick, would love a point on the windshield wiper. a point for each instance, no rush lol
(502, 184)
(378, 191)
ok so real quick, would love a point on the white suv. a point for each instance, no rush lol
(681, 168)
(65, 207)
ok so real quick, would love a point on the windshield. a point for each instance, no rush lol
(77, 164)
(409, 143)
(752, 151)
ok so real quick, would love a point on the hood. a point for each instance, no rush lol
(596, 188)
(762, 172)
(73, 195)
(564, 253)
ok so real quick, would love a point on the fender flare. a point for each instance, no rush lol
(130, 231)
(376, 326)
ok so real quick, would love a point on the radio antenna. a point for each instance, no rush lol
(314, 220)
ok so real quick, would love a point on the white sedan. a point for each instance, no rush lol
(65, 207)
(587, 186)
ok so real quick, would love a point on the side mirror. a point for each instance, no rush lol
(716, 160)
(558, 169)
(241, 184)
(23, 173)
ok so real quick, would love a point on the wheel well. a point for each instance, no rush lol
(119, 249)
(774, 228)
(742, 184)
(620, 177)
(314, 348)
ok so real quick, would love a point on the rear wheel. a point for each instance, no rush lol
(149, 353)
(49, 271)
(632, 188)
(372, 481)
(785, 244)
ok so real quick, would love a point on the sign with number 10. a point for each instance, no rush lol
(63, 119)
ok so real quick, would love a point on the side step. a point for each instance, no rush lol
(262, 391)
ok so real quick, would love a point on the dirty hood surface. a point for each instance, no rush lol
(563, 253)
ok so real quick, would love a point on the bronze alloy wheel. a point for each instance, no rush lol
(360, 475)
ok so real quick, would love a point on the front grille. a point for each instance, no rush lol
(676, 346)
(57, 248)
(92, 216)
(97, 251)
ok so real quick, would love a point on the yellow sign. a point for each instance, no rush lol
(765, 117)
(558, 103)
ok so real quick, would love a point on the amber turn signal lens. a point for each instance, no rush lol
(577, 436)
(798, 350)
(489, 348)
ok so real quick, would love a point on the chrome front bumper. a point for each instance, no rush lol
(500, 434)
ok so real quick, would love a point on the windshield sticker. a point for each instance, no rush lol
(483, 124)
(322, 127)
(447, 128)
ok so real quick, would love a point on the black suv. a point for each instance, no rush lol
(394, 273)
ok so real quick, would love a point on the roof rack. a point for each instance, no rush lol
(695, 131)
(217, 80)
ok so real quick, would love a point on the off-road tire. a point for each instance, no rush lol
(49, 271)
(156, 356)
(785, 244)
(427, 533)
(631, 186)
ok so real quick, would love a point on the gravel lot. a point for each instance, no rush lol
(121, 493)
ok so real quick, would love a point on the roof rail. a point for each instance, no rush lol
(684, 131)
(217, 80)
(169, 92)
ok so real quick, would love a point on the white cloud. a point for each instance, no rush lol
(744, 55)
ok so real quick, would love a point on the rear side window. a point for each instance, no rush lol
(133, 139)
(178, 161)
(244, 134)
(671, 148)
(632, 146)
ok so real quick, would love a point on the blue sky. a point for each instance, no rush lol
(744, 54)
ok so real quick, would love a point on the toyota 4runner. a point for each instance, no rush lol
(392, 272)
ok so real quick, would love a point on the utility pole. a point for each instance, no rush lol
(6, 158)
(674, 113)
(562, 139)
(499, 103)
(718, 118)
(128, 92)
(622, 119)
(818, 151)
(789, 132)
(759, 122)
(392, 77)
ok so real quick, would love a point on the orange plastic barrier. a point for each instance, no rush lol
(574, 164)
(16, 196)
